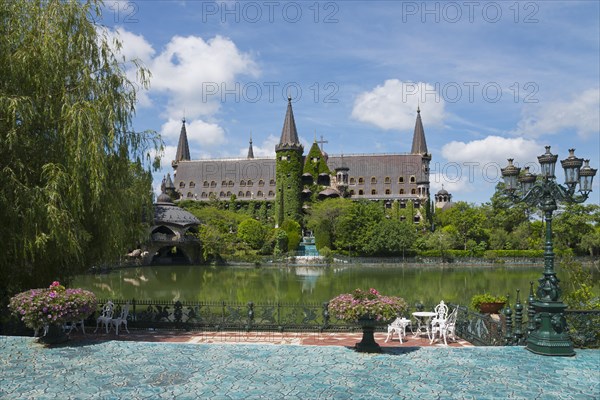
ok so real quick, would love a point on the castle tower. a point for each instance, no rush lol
(183, 148)
(250, 150)
(288, 171)
(419, 146)
(443, 199)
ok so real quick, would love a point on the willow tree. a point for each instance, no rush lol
(75, 185)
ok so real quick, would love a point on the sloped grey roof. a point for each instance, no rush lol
(166, 213)
(250, 150)
(289, 134)
(419, 145)
(183, 148)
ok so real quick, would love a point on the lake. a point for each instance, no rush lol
(309, 284)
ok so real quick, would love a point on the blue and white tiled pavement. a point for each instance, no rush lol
(89, 369)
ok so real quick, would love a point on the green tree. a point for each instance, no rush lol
(322, 218)
(390, 237)
(573, 223)
(252, 232)
(351, 229)
(467, 221)
(70, 196)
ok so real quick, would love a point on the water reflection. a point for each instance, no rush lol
(306, 284)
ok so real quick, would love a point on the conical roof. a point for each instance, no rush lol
(289, 134)
(250, 150)
(183, 149)
(419, 145)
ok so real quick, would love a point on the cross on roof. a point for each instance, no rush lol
(321, 142)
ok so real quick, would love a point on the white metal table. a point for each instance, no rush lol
(423, 321)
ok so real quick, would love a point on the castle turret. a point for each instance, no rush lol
(183, 148)
(288, 171)
(419, 146)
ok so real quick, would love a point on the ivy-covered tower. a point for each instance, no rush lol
(288, 171)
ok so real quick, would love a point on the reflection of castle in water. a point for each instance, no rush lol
(309, 276)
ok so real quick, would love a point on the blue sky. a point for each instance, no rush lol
(493, 79)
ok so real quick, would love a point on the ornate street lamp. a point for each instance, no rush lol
(550, 336)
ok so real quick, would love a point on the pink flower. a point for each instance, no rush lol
(55, 284)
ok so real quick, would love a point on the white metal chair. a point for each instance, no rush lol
(69, 326)
(399, 327)
(121, 320)
(445, 328)
(106, 316)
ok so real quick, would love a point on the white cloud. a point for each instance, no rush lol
(580, 114)
(492, 149)
(454, 184)
(393, 105)
(189, 65)
(198, 132)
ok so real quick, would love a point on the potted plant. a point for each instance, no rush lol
(368, 309)
(49, 309)
(487, 303)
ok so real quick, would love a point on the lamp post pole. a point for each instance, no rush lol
(550, 335)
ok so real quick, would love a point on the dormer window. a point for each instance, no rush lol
(401, 179)
(373, 180)
(352, 181)
(261, 183)
(387, 180)
(413, 179)
(361, 180)
(181, 184)
(192, 185)
(242, 183)
(213, 184)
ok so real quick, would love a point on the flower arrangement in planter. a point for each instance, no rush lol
(368, 308)
(369, 304)
(487, 303)
(39, 308)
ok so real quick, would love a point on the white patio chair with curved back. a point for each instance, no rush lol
(399, 327)
(121, 319)
(106, 316)
(445, 328)
(441, 315)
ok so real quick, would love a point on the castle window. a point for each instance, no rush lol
(388, 180)
(231, 183)
(272, 182)
(249, 183)
(192, 185)
(213, 184)
(417, 219)
(181, 184)
(352, 181)
(271, 194)
(259, 194)
(248, 194)
(361, 192)
(205, 184)
(373, 180)
(412, 179)
(261, 183)
(228, 194)
(242, 183)
(401, 179)
(224, 184)
(361, 180)
(190, 195)
(204, 195)
(373, 192)
(240, 194)
(315, 160)
(388, 191)
(401, 191)
(403, 205)
(402, 218)
(352, 193)
(222, 194)
(284, 158)
(413, 191)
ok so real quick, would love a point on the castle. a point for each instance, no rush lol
(290, 179)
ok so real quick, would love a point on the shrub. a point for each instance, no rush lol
(352, 306)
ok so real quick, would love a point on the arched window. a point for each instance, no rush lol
(361, 192)
(249, 183)
(401, 179)
(205, 184)
(213, 184)
(401, 191)
(412, 179)
(259, 194)
(413, 191)
(248, 194)
(271, 193)
(352, 193)
(242, 183)
(240, 194)
(352, 181)
(231, 184)
(272, 182)
(192, 185)
(373, 192)
(222, 194)
(204, 195)
(181, 184)
(373, 180)
(388, 191)
(228, 194)
(361, 180)
(190, 195)
(224, 183)
(417, 219)
(261, 183)
(387, 180)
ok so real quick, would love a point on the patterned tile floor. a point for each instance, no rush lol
(95, 368)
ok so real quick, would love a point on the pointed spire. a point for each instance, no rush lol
(250, 150)
(183, 149)
(169, 183)
(289, 134)
(419, 145)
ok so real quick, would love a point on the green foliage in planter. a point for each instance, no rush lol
(477, 299)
